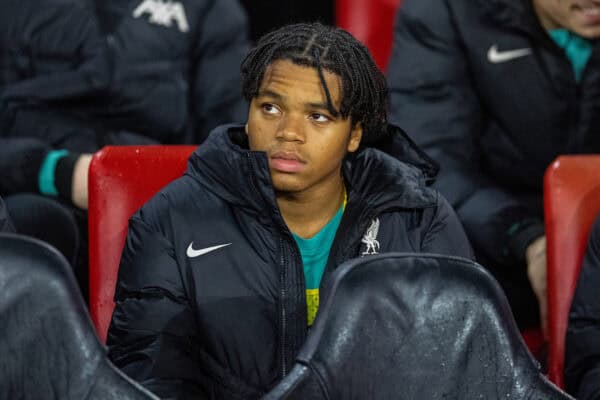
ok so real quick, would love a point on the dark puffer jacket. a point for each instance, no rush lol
(210, 300)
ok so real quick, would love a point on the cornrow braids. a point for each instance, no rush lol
(364, 90)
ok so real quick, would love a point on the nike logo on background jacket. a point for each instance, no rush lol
(495, 56)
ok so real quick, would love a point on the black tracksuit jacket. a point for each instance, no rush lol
(492, 119)
(228, 323)
(582, 346)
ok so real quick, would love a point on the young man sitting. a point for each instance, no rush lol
(220, 276)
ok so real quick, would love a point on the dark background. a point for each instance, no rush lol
(266, 15)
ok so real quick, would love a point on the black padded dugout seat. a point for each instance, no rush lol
(48, 346)
(414, 326)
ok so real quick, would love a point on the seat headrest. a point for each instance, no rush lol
(415, 326)
(49, 346)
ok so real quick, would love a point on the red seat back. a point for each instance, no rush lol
(371, 22)
(571, 202)
(121, 179)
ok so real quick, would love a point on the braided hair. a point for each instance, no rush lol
(364, 90)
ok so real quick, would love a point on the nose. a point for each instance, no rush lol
(291, 128)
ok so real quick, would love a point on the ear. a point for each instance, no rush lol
(246, 128)
(355, 137)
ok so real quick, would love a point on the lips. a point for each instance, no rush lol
(289, 162)
(587, 3)
(590, 10)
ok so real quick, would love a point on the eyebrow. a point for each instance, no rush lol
(321, 106)
(277, 96)
(270, 93)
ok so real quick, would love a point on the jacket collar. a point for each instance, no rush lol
(225, 166)
(519, 15)
(392, 171)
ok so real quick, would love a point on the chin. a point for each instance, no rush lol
(287, 184)
(589, 32)
(586, 30)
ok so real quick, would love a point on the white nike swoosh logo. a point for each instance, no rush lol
(495, 56)
(191, 253)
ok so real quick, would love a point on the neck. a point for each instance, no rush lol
(307, 212)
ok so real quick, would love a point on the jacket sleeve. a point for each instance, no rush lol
(445, 234)
(152, 326)
(21, 159)
(582, 354)
(222, 45)
(433, 98)
(20, 162)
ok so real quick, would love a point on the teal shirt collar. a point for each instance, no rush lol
(315, 250)
(577, 49)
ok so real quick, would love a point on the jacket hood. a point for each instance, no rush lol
(226, 167)
(392, 171)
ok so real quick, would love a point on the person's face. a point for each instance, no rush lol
(289, 120)
(579, 16)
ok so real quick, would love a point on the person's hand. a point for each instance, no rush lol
(79, 187)
(536, 271)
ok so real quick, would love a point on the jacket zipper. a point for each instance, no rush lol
(283, 315)
(283, 311)
(576, 135)
(287, 267)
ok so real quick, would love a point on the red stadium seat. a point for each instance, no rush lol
(572, 201)
(121, 179)
(371, 22)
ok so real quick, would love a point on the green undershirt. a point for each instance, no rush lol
(315, 252)
(577, 49)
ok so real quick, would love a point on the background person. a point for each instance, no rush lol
(71, 83)
(494, 90)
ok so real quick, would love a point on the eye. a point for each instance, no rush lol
(270, 108)
(318, 117)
